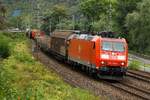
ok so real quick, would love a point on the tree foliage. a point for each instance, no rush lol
(122, 9)
(58, 13)
(2, 15)
(138, 24)
(123, 16)
(95, 10)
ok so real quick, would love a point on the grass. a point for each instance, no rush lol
(134, 65)
(24, 78)
(147, 65)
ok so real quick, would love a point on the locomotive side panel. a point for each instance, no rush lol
(81, 51)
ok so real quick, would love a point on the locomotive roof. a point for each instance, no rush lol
(95, 37)
(85, 37)
(114, 39)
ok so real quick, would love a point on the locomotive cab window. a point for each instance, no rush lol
(113, 46)
(118, 46)
(106, 46)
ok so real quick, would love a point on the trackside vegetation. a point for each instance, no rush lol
(4, 47)
(24, 78)
(134, 65)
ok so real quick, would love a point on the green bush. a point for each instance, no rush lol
(4, 46)
(14, 35)
(134, 65)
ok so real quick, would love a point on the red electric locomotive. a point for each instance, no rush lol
(107, 56)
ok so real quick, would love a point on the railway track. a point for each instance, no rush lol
(148, 73)
(132, 88)
(127, 88)
(139, 75)
(135, 91)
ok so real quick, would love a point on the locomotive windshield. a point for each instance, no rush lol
(113, 46)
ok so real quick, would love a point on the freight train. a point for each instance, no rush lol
(105, 57)
(33, 33)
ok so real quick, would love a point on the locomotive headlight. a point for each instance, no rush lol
(102, 62)
(122, 63)
(121, 57)
(105, 56)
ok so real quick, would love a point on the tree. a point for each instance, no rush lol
(93, 10)
(2, 16)
(138, 24)
(124, 7)
(58, 13)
